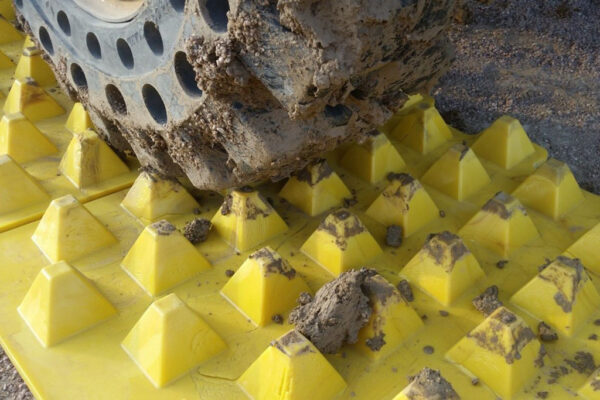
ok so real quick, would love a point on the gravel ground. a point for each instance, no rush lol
(11, 385)
(536, 60)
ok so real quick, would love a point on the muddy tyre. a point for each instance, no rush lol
(231, 92)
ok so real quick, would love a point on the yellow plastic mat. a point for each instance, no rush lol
(104, 297)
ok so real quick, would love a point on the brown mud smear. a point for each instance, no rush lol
(336, 313)
(405, 290)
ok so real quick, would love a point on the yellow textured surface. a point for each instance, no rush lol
(193, 342)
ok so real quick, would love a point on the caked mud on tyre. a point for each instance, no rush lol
(231, 92)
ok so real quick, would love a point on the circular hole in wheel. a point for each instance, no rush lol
(45, 40)
(93, 45)
(78, 76)
(63, 23)
(178, 5)
(153, 38)
(19, 3)
(125, 54)
(154, 104)
(186, 75)
(215, 14)
(115, 99)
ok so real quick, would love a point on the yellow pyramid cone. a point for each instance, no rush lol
(79, 119)
(502, 225)
(291, 368)
(502, 352)
(428, 384)
(392, 321)
(444, 268)
(341, 242)
(422, 128)
(32, 65)
(315, 189)
(373, 160)
(458, 173)
(551, 189)
(561, 295)
(265, 285)
(22, 140)
(162, 258)
(26, 97)
(8, 33)
(61, 302)
(152, 197)
(169, 340)
(19, 189)
(245, 220)
(586, 249)
(404, 202)
(89, 161)
(68, 231)
(504, 143)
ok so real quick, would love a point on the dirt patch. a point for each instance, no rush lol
(446, 248)
(274, 264)
(546, 333)
(406, 189)
(344, 226)
(582, 362)
(430, 384)
(196, 231)
(493, 338)
(565, 296)
(226, 207)
(487, 301)
(497, 205)
(336, 313)
(277, 318)
(405, 290)
(163, 228)
(314, 173)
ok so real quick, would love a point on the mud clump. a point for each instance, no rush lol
(430, 384)
(196, 231)
(393, 237)
(336, 313)
(546, 333)
(487, 301)
(376, 342)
